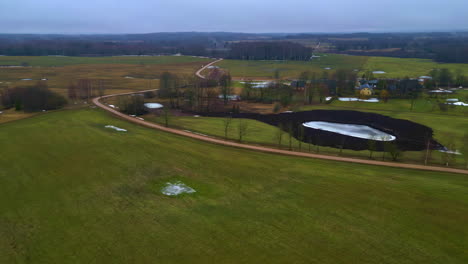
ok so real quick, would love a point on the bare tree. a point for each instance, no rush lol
(372, 146)
(227, 123)
(290, 134)
(394, 150)
(72, 91)
(242, 129)
(166, 116)
(279, 134)
(300, 135)
(428, 152)
(343, 141)
(226, 89)
(317, 142)
(449, 154)
(464, 149)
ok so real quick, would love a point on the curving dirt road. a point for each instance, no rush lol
(198, 73)
(134, 120)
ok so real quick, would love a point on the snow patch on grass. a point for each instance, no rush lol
(116, 128)
(177, 188)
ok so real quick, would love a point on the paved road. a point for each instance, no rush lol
(134, 120)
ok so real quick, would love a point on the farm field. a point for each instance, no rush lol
(73, 191)
(413, 68)
(118, 74)
(290, 69)
(60, 61)
(121, 74)
(394, 67)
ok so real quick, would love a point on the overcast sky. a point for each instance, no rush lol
(145, 16)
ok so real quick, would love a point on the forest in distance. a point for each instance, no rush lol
(441, 47)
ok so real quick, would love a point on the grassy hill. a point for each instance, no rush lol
(73, 191)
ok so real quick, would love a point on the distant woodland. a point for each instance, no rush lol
(441, 47)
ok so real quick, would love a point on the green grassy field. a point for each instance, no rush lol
(291, 69)
(257, 132)
(75, 192)
(394, 67)
(413, 68)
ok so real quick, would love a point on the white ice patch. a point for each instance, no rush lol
(177, 188)
(259, 84)
(440, 91)
(153, 105)
(455, 152)
(116, 128)
(359, 131)
(353, 99)
(458, 103)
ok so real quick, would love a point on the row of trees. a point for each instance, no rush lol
(281, 50)
(446, 78)
(87, 88)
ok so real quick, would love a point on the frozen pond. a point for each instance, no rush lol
(359, 131)
(259, 84)
(153, 105)
(459, 104)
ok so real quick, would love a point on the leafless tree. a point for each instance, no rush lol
(279, 134)
(166, 116)
(464, 149)
(227, 123)
(300, 135)
(242, 129)
(372, 145)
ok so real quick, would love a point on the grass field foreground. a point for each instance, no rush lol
(73, 191)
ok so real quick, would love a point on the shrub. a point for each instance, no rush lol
(32, 98)
(132, 105)
(276, 108)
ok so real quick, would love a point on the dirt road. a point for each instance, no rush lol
(135, 120)
(198, 73)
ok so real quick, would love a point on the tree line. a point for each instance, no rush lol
(280, 50)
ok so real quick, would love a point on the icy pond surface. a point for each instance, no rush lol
(153, 105)
(359, 131)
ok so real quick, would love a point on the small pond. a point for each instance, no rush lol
(359, 131)
(153, 105)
